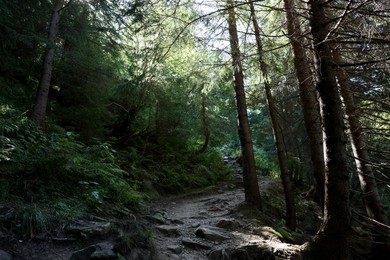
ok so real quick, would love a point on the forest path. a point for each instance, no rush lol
(212, 223)
(207, 224)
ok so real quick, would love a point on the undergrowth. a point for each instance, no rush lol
(51, 169)
(265, 165)
(173, 170)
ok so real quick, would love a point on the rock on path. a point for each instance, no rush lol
(201, 226)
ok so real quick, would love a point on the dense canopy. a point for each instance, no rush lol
(107, 104)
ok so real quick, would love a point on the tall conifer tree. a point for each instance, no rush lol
(252, 193)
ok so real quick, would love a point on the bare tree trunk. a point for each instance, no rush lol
(278, 135)
(331, 241)
(205, 126)
(381, 248)
(39, 108)
(252, 193)
(157, 122)
(308, 97)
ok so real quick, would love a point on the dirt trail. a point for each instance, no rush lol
(184, 215)
(212, 223)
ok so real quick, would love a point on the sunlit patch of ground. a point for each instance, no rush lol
(271, 244)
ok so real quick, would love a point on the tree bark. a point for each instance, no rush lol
(39, 107)
(374, 208)
(205, 126)
(311, 112)
(278, 135)
(157, 122)
(331, 241)
(252, 193)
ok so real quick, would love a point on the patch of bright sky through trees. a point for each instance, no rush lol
(211, 29)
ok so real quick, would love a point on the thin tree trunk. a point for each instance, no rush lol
(150, 118)
(278, 135)
(331, 241)
(311, 112)
(157, 122)
(39, 108)
(252, 193)
(205, 126)
(374, 208)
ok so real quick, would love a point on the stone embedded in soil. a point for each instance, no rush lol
(195, 225)
(157, 218)
(203, 212)
(175, 249)
(229, 224)
(171, 230)
(195, 244)
(177, 221)
(89, 227)
(211, 233)
(104, 250)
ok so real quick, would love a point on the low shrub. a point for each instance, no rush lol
(29, 221)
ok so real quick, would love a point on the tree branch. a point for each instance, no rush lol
(363, 63)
